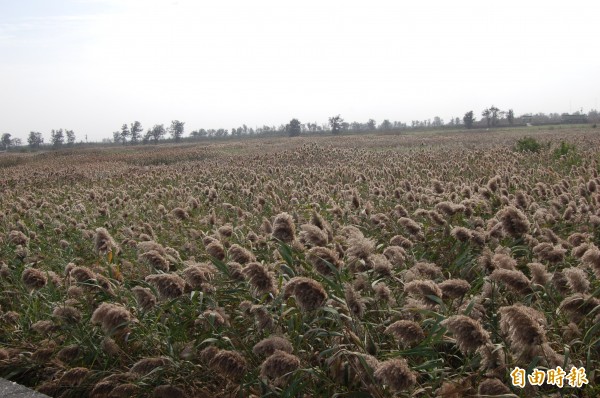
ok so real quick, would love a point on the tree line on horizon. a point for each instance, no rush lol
(133, 134)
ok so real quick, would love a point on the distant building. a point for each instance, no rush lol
(526, 119)
(576, 118)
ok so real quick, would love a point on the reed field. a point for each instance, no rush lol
(429, 264)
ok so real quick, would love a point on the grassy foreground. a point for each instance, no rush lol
(430, 264)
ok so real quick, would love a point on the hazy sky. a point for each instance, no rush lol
(92, 65)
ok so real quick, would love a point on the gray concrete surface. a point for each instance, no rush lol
(9, 389)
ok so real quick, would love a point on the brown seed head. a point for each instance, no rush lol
(229, 364)
(279, 364)
(261, 279)
(454, 288)
(309, 294)
(396, 374)
(469, 333)
(284, 228)
(169, 286)
(111, 317)
(513, 280)
(34, 278)
(144, 297)
(146, 365)
(240, 255)
(408, 333)
(269, 345)
(514, 221)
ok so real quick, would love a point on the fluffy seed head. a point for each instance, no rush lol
(408, 333)
(154, 259)
(512, 279)
(354, 301)
(312, 236)
(229, 364)
(591, 259)
(144, 297)
(309, 294)
(240, 255)
(111, 317)
(69, 353)
(74, 376)
(539, 275)
(454, 288)
(284, 228)
(269, 345)
(103, 242)
(67, 314)
(396, 374)
(147, 365)
(261, 279)
(578, 306)
(34, 279)
(493, 387)
(198, 274)
(469, 333)
(411, 226)
(323, 259)
(514, 222)
(421, 289)
(18, 238)
(577, 279)
(279, 364)
(216, 250)
(169, 286)
(523, 326)
(396, 255)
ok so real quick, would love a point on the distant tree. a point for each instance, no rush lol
(469, 119)
(57, 138)
(135, 131)
(495, 112)
(510, 116)
(176, 130)
(336, 124)
(356, 126)
(70, 137)
(125, 133)
(157, 132)
(437, 121)
(5, 142)
(385, 125)
(35, 139)
(491, 115)
(457, 121)
(117, 137)
(293, 128)
(371, 125)
(147, 136)
(487, 114)
(199, 133)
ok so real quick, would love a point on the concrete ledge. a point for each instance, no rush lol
(9, 389)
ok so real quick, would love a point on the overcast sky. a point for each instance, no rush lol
(92, 65)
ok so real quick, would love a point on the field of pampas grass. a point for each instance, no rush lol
(417, 265)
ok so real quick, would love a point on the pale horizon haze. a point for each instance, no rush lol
(92, 65)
